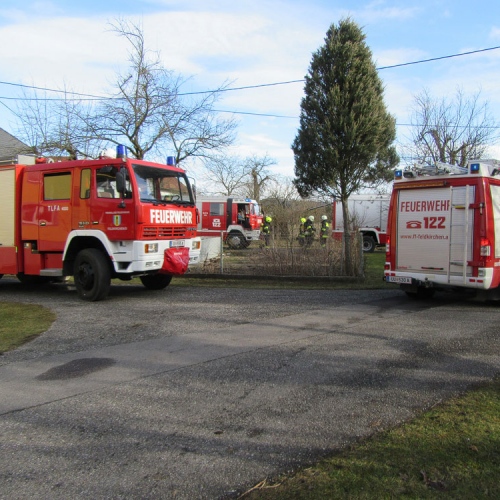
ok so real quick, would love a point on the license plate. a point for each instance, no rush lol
(177, 243)
(398, 279)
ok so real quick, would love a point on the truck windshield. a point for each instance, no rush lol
(162, 186)
(256, 209)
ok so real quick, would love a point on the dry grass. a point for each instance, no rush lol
(283, 258)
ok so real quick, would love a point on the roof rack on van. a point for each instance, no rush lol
(439, 168)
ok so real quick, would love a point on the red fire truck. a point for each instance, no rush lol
(444, 229)
(238, 220)
(96, 220)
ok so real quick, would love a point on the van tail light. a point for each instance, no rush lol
(485, 247)
(388, 245)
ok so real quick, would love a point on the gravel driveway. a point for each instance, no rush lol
(201, 393)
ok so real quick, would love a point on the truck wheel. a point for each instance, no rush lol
(156, 281)
(235, 241)
(368, 244)
(92, 275)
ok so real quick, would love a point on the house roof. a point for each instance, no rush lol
(10, 146)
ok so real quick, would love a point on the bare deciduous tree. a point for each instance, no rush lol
(225, 174)
(231, 175)
(259, 174)
(151, 113)
(146, 111)
(282, 202)
(55, 127)
(450, 130)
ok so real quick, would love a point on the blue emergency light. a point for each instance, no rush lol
(398, 174)
(474, 168)
(170, 161)
(121, 151)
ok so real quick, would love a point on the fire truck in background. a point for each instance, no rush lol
(238, 220)
(368, 213)
(444, 229)
(96, 220)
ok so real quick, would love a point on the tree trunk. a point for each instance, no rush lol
(347, 240)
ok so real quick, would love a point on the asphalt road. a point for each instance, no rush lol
(200, 393)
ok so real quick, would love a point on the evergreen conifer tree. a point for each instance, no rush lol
(344, 141)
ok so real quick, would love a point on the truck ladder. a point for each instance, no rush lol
(459, 229)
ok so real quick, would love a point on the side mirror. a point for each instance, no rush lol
(193, 187)
(121, 177)
(121, 185)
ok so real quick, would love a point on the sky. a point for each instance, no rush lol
(69, 44)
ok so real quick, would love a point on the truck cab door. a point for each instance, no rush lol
(81, 201)
(110, 212)
(54, 211)
(214, 216)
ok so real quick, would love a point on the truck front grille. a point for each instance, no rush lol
(163, 233)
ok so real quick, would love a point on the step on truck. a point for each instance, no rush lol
(95, 220)
(444, 229)
(237, 220)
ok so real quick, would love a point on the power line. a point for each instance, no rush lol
(32, 87)
(297, 117)
(246, 87)
(255, 114)
(439, 58)
(379, 69)
(261, 85)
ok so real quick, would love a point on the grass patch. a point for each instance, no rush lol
(452, 451)
(20, 323)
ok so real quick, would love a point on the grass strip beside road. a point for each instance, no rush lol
(20, 323)
(452, 451)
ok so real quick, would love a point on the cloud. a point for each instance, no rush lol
(78, 51)
(248, 42)
(378, 11)
(495, 33)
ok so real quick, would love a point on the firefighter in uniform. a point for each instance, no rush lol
(302, 231)
(266, 229)
(309, 230)
(323, 233)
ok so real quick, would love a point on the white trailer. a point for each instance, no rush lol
(367, 214)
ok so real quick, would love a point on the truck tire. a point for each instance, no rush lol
(92, 275)
(156, 281)
(235, 241)
(368, 244)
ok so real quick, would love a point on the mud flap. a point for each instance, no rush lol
(175, 261)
